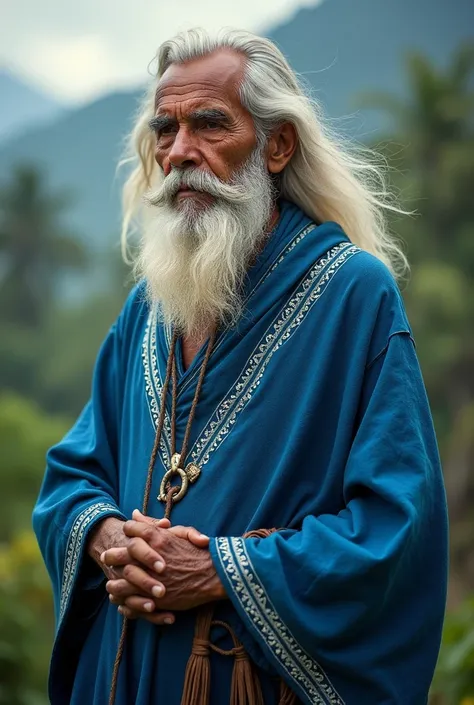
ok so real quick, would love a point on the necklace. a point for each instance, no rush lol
(170, 493)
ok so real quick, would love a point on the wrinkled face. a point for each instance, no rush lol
(211, 213)
(199, 121)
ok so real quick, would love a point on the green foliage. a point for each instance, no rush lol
(48, 345)
(44, 351)
(35, 248)
(454, 679)
(26, 433)
(26, 623)
(433, 163)
(26, 613)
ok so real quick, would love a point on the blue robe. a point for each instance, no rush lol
(313, 419)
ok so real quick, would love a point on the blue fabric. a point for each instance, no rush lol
(313, 419)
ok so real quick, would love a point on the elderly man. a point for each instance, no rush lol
(250, 508)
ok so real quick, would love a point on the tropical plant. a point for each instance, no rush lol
(35, 248)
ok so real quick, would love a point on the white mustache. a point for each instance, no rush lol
(198, 180)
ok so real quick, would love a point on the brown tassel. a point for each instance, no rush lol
(245, 688)
(197, 678)
(287, 697)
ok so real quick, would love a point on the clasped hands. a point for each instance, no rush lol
(154, 569)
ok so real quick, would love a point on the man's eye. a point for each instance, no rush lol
(166, 130)
(211, 125)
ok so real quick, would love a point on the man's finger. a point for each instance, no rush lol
(143, 553)
(160, 523)
(191, 534)
(128, 613)
(113, 573)
(115, 556)
(142, 530)
(160, 618)
(143, 581)
(121, 589)
(185, 532)
(157, 618)
(139, 604)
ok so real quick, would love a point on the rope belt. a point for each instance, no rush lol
(245, 687)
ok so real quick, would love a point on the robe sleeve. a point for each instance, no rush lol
(80, 487)
(357, 597)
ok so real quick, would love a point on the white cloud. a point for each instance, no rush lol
(78, 66)
(80, 50)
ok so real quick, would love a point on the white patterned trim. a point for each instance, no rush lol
(278, 333)
(153, 386)
(306, 294)
(285, 250)
(74, 548)
(300, 666)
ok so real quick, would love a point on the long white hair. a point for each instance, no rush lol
(328, 177)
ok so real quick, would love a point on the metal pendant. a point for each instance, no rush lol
(189, 475)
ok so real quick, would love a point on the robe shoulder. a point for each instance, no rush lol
(135, 308)
(371, 303)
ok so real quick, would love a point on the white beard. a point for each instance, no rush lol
(195, 257)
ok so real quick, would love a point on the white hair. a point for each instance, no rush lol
(328, 177)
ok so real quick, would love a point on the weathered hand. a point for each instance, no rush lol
(134, 603)
(109, 536)
(189, 578)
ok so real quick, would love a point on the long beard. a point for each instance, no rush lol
(195, 257)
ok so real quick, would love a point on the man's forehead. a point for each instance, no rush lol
(217, 75)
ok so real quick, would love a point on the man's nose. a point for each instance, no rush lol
(184, 152)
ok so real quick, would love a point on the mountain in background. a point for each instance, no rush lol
(343, 48)
(79, 154)
(23, 106)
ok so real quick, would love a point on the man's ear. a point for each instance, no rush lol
(281, 146)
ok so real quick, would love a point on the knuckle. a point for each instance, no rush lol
(127, 571)
(120, 588)
(161, 538)
(150, 557)
(133, 545)
(148, 584)
(156, 619)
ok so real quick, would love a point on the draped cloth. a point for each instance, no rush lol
(313, 419)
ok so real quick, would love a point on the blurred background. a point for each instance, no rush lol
(397, 75)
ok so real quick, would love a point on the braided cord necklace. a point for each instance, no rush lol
(170, 493)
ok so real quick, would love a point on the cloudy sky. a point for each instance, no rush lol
(79, 50)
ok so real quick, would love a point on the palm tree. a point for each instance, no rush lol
(435, 127)
(434, 167)
(35, 249)
(440, 106)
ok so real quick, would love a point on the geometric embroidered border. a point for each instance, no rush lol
(153, 386)
(284, 252)
(74, 548)
(238, 396)
(277, 334)
(306, 675)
